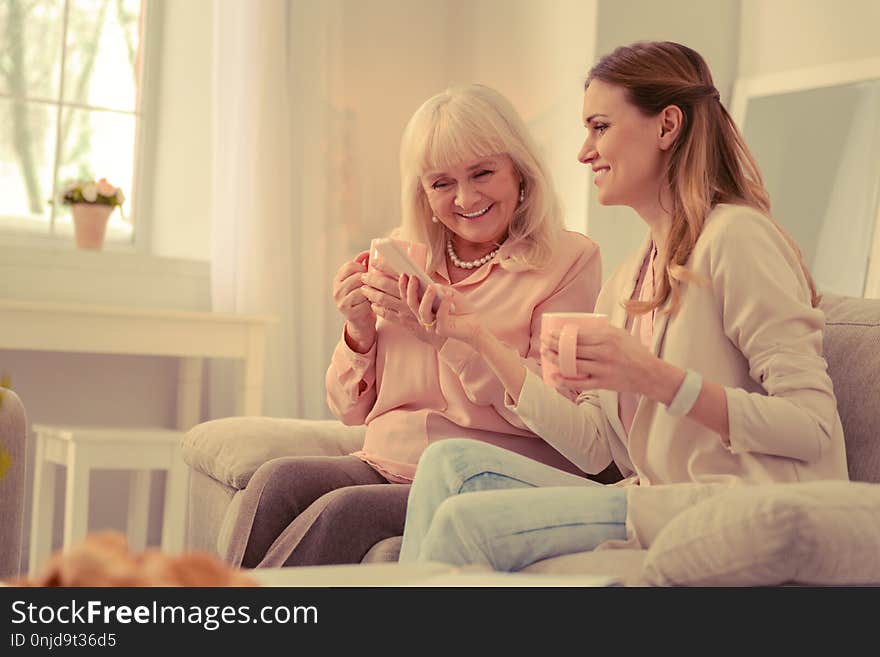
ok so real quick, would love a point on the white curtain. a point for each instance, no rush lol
(273, 148)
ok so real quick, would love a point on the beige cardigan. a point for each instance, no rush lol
(752, 330)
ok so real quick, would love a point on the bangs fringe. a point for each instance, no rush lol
(452, 141)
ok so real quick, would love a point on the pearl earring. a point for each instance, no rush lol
(435, 220)
(522, 192)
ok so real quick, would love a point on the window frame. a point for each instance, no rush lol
(144, 143)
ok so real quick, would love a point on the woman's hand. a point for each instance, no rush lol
(454, 318)
(348, 293)
(387, 296)
(609, 358)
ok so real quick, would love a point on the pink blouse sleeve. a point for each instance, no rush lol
(579, 431)
(351, 383)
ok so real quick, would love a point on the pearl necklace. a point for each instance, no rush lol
(472, 264)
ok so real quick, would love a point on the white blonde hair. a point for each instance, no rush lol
(470, 122)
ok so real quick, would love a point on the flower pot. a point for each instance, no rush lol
(90, 224)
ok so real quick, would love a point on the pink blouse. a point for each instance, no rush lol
(415, 395)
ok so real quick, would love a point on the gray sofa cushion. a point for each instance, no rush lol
(388, 549)
(626, 565)
(13, 449)
(852, 349)
(231, 449)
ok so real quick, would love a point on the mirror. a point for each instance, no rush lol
(816, 138)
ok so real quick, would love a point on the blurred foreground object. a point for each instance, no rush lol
(103, 559)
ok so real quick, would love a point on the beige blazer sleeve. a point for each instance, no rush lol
(579, 432)
(766, 313)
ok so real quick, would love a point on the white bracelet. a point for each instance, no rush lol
(687, 394)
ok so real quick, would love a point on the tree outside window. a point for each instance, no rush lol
(70, 75)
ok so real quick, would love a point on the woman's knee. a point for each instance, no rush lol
(439, 461)
(292, 482)
(454, 533)
(273, 475)
(444, 451)
(356, 504)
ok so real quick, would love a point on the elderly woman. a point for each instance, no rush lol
(476, 193)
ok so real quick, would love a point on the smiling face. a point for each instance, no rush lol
(624, 148)
(475, 199)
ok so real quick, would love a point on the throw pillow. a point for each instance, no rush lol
(823, 532)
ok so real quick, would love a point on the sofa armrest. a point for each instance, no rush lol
(13, 452)
(231, 449)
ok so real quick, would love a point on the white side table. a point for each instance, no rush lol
(83, 449)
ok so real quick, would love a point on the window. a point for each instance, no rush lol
(70, 107)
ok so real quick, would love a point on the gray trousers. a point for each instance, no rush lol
(315, 510)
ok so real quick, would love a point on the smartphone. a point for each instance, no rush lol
(403, 264)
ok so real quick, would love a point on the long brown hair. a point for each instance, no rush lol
(709, 162)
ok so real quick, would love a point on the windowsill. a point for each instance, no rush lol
(114, 258)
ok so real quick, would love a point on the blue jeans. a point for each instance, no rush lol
(515, 511)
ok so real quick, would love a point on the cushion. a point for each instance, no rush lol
(852, 349)
(625, 565)
(231, 449)
(825, 532)
(386, 550)
(13, 452)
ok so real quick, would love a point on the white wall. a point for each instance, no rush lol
(780, 35)
(537, 56)
(711, 28)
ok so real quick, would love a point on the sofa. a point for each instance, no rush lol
(721, 537)
(13, 466)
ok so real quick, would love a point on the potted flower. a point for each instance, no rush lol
(91, 203)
